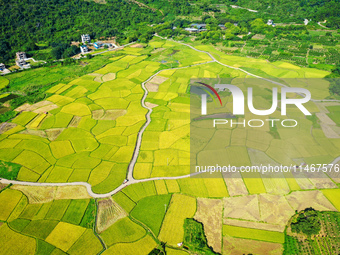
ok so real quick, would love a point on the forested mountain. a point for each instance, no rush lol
(26, 22)
(56, 23)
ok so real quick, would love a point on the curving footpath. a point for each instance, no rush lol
(130, 179)
(319, 23)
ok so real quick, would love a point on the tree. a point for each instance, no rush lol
(258, 25)
(307, 222)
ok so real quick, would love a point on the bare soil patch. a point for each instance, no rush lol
(75, 121)
(53, 133)
(72, 192)
(158, 79)
(113, 114)
(46, 108)
(137, 45)
(23, 108)
(246, 208)
(325, 119)
(36, 194)
(108, 77)
(173, 52)
(96, 74)
(157, 50)
(323, 182)
(2, 186)
(302, 181)
(275, 209)
(300, 200)
(40, 107)
(75, 43)
(39, 133)
(6, 126)
(97, 114)
(151, 87)
(235, 184)
(329, 132)
(150, 105)
(98, 79)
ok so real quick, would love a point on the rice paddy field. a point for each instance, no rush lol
(86, 130)
(63, 226)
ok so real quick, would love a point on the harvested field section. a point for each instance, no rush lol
(209, 212)
(108, 213)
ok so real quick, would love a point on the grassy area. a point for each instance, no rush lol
(53, 74)
(257, 234)
(8, 170)
(151, 211)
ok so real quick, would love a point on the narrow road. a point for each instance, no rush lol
(246, 72)
(148, 119)
(319, 23)
(133, 181)
(36, 61)
(130, 177)
(239, 7)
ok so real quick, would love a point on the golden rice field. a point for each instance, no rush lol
(87, 130)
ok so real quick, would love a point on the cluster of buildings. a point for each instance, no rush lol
(20, 61)
(194, 28)
(86, 39)
(21, 58)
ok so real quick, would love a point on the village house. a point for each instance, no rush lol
(196, 28)
(271, 23)
(2, 67)
(199, 26)
(21, 55)
(97, 45)
(191, 29)
(85, 38)
(22, 63)
(222, 26)
(84, 49)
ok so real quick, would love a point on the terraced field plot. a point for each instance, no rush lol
(91, 128)
(87, 131)
(54, 227)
